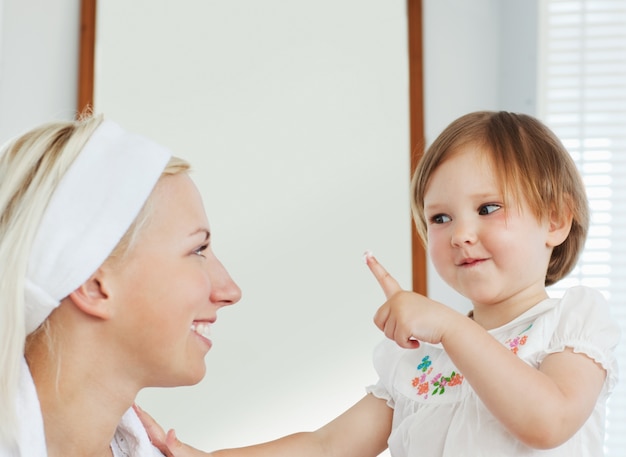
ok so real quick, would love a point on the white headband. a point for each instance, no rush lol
(93, 206)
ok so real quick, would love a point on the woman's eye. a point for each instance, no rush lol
(201, 250)
(488, 209)
(440, 219)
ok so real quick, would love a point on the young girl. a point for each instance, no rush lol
(502, 209)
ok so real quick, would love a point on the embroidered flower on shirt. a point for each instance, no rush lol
(438, 382)
(426, 362)
(520, 340)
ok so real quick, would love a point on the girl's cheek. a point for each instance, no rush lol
(435, 244)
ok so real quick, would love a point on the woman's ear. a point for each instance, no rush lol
(560, 224)
(92, 298)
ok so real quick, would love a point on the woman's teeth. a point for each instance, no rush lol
(201, 329)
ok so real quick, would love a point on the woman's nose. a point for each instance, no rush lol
(463, 233)
(224, 291)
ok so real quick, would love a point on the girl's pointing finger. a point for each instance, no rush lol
(387, 282)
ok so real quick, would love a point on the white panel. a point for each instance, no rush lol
(584, 101)
(294, 115)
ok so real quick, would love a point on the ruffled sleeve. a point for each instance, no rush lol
(386, 356)
(585, 325)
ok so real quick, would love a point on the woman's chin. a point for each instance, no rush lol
(190, 378)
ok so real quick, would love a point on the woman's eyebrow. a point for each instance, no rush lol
(207, 233)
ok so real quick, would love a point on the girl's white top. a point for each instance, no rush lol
(130, 440)
(436, 412)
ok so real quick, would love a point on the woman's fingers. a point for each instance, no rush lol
(176, 448)
(387, 282)
(167, 443)
(155, 431)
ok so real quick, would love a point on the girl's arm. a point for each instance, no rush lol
(542, 407)
(361, 431)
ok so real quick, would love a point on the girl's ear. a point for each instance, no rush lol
(92, 298)
(560, 224)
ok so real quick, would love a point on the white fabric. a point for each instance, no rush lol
(436, 412)
(93, 206)
(31, 441)
(131, 439)
(130, 434)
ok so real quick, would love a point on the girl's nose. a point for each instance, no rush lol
(224, 291)
(463, 233)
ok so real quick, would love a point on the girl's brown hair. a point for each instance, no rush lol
(531, 165)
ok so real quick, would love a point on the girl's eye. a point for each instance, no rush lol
(488, 209)
(440, 219)
(201, 250)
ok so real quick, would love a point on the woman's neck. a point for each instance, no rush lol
(81, 400)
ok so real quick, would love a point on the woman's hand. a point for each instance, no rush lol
(407, 317)
(167, 443)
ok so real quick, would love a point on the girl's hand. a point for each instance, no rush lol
(167, 443)
(408, 317)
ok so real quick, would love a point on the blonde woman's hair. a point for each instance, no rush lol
(530, 164)
(31, 167)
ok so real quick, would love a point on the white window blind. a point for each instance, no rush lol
(582, 97)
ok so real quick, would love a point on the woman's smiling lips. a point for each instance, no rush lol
(203, 329)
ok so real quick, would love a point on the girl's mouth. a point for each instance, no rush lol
(470, 262)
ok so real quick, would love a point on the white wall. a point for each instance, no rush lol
(38, 67)
(294, 114)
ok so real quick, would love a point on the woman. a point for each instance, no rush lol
(108, 284)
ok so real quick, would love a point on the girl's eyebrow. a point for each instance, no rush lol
(432, 206)
(481, 196)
